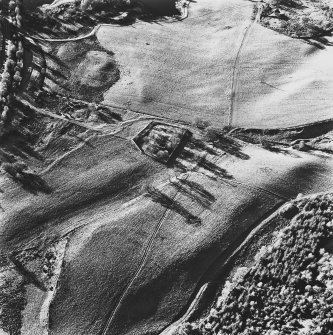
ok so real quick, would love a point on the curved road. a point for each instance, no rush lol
(234, 83)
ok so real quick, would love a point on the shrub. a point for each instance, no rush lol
(201, 124)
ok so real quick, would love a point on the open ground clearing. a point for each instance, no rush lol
(280, 81)
(180, 70)
(217, 61)
(143, 283)
(95, 175)
(142, 244)
(112, 242)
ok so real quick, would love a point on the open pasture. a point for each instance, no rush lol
(221, 66)
(133, 269)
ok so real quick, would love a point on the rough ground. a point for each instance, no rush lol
(106, 240)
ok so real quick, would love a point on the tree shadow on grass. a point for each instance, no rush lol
(170, 203)
(34, 183)
(214, 169)
(30, 182)
(200, 145)
(195, 191)
(202, 162)
(226, 143)
(17, 142)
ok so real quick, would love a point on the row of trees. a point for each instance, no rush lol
(289, 289)
(12, 72)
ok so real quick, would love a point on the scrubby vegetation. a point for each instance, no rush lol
(299, 18)
(316, 136)
(82, 70)
(12, 300)
(69, 18)
(289, 288)
(162, 141)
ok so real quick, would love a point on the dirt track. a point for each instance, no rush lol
(204, 67)
(132, 266)
(182, 70)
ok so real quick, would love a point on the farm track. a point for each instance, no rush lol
(159, 224)
(183, 15)
(144, 258)
(235, 69)
(140, 267)
(260, 189)
(122, 108)
(173, 327)
(55, 116)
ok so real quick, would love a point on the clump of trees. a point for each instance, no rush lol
(161, 141)
(291, 282)
(12, 72)
(299, 18)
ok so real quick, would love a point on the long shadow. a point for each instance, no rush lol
(108, 116)
(198, 188)
(31, 182)
(277, 150)
(318, 41)
(180, 166)
(197, 144)
(16, 142)
(56, 59)
(291, 4)
(60, 83)
(170, 203)
(34, 183)
(6, 156)
(56, 73)
(215, 169)
(228, 145)
(195, 192)
(201, 161)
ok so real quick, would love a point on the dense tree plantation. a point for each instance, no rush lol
(13, 65)
(289, 289)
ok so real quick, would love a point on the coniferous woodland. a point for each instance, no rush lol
(12, 68)
(289, 289)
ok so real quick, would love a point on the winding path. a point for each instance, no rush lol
(183, 15)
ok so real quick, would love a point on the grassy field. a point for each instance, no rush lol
(95, 177)
(142, 284)
(280, 81)
(183, 253)
(181, 70)
(141, 242)
(96, 249)
(168, 278)
(139, 239)
(219, 66)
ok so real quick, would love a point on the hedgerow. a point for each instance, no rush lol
(289, 289)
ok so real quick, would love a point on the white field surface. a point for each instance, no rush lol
(103, 257)
(282, 82)
(184, 70)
